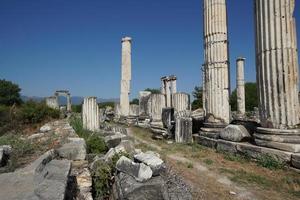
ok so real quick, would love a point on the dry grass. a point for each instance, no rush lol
(261, 182)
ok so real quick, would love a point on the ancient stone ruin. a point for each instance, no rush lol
(52, 101)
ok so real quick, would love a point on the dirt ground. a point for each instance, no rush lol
(213, 175)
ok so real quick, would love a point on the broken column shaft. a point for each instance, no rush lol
(240, 87)
(125, 76)
(90, 114)
(216, 62)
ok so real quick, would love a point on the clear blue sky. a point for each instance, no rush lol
(47, 45)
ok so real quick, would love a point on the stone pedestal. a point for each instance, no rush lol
(90, 114)
(240, 87)
(277, 75)
(125, 76)
(183, 127)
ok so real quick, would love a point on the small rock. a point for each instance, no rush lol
(36, 136)
(152, 160)
(232, 193)
(45, 128)
(114, 140)
(235, 133)
(139, 171)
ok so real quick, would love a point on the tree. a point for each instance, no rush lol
(197, 94)
(153, 90)
(135, 101)
(250, 97)
(9, 93)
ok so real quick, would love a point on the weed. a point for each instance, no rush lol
(241, 176)
(96, 145)
(235, 157)
(270, 162)
(208, 161)
(189, 165)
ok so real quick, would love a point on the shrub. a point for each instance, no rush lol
(102, 176)
(96, 144)
(9, 93)
(270, 162)
(33, 112)
(77, 108)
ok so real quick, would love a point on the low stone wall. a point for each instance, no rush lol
(245, 148)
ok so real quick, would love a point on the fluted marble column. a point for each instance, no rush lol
(181, 101)
(217, 85)
(90, 114)
(126, 76)
(240, 87)
(155, 104)
(277, 63)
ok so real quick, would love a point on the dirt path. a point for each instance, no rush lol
(209, 175)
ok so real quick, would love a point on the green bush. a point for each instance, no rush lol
(77, 108)
(102, 176)
(96, 145)
(9, 93)
(32, 112)
(270, 162)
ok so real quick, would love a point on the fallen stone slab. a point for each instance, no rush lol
(296, 160)
(235, 133)
(75, 149)
(154, 162)
(226, 146)
(45, 178)
(295, 148)
(139, 171)
(126, 187)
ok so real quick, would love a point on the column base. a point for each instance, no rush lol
(282, 139)
(212, 130)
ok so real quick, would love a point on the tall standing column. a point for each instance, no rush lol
(126, 76)
(277, 75)
(240, 87)
(217, 85)
(277, 63)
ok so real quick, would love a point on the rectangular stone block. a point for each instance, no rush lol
(256, 151)
(227, 146)
(295, 148)
(205, 141)
(184, 130)
(296, 160)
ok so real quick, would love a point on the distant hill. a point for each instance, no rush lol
(76, 100)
